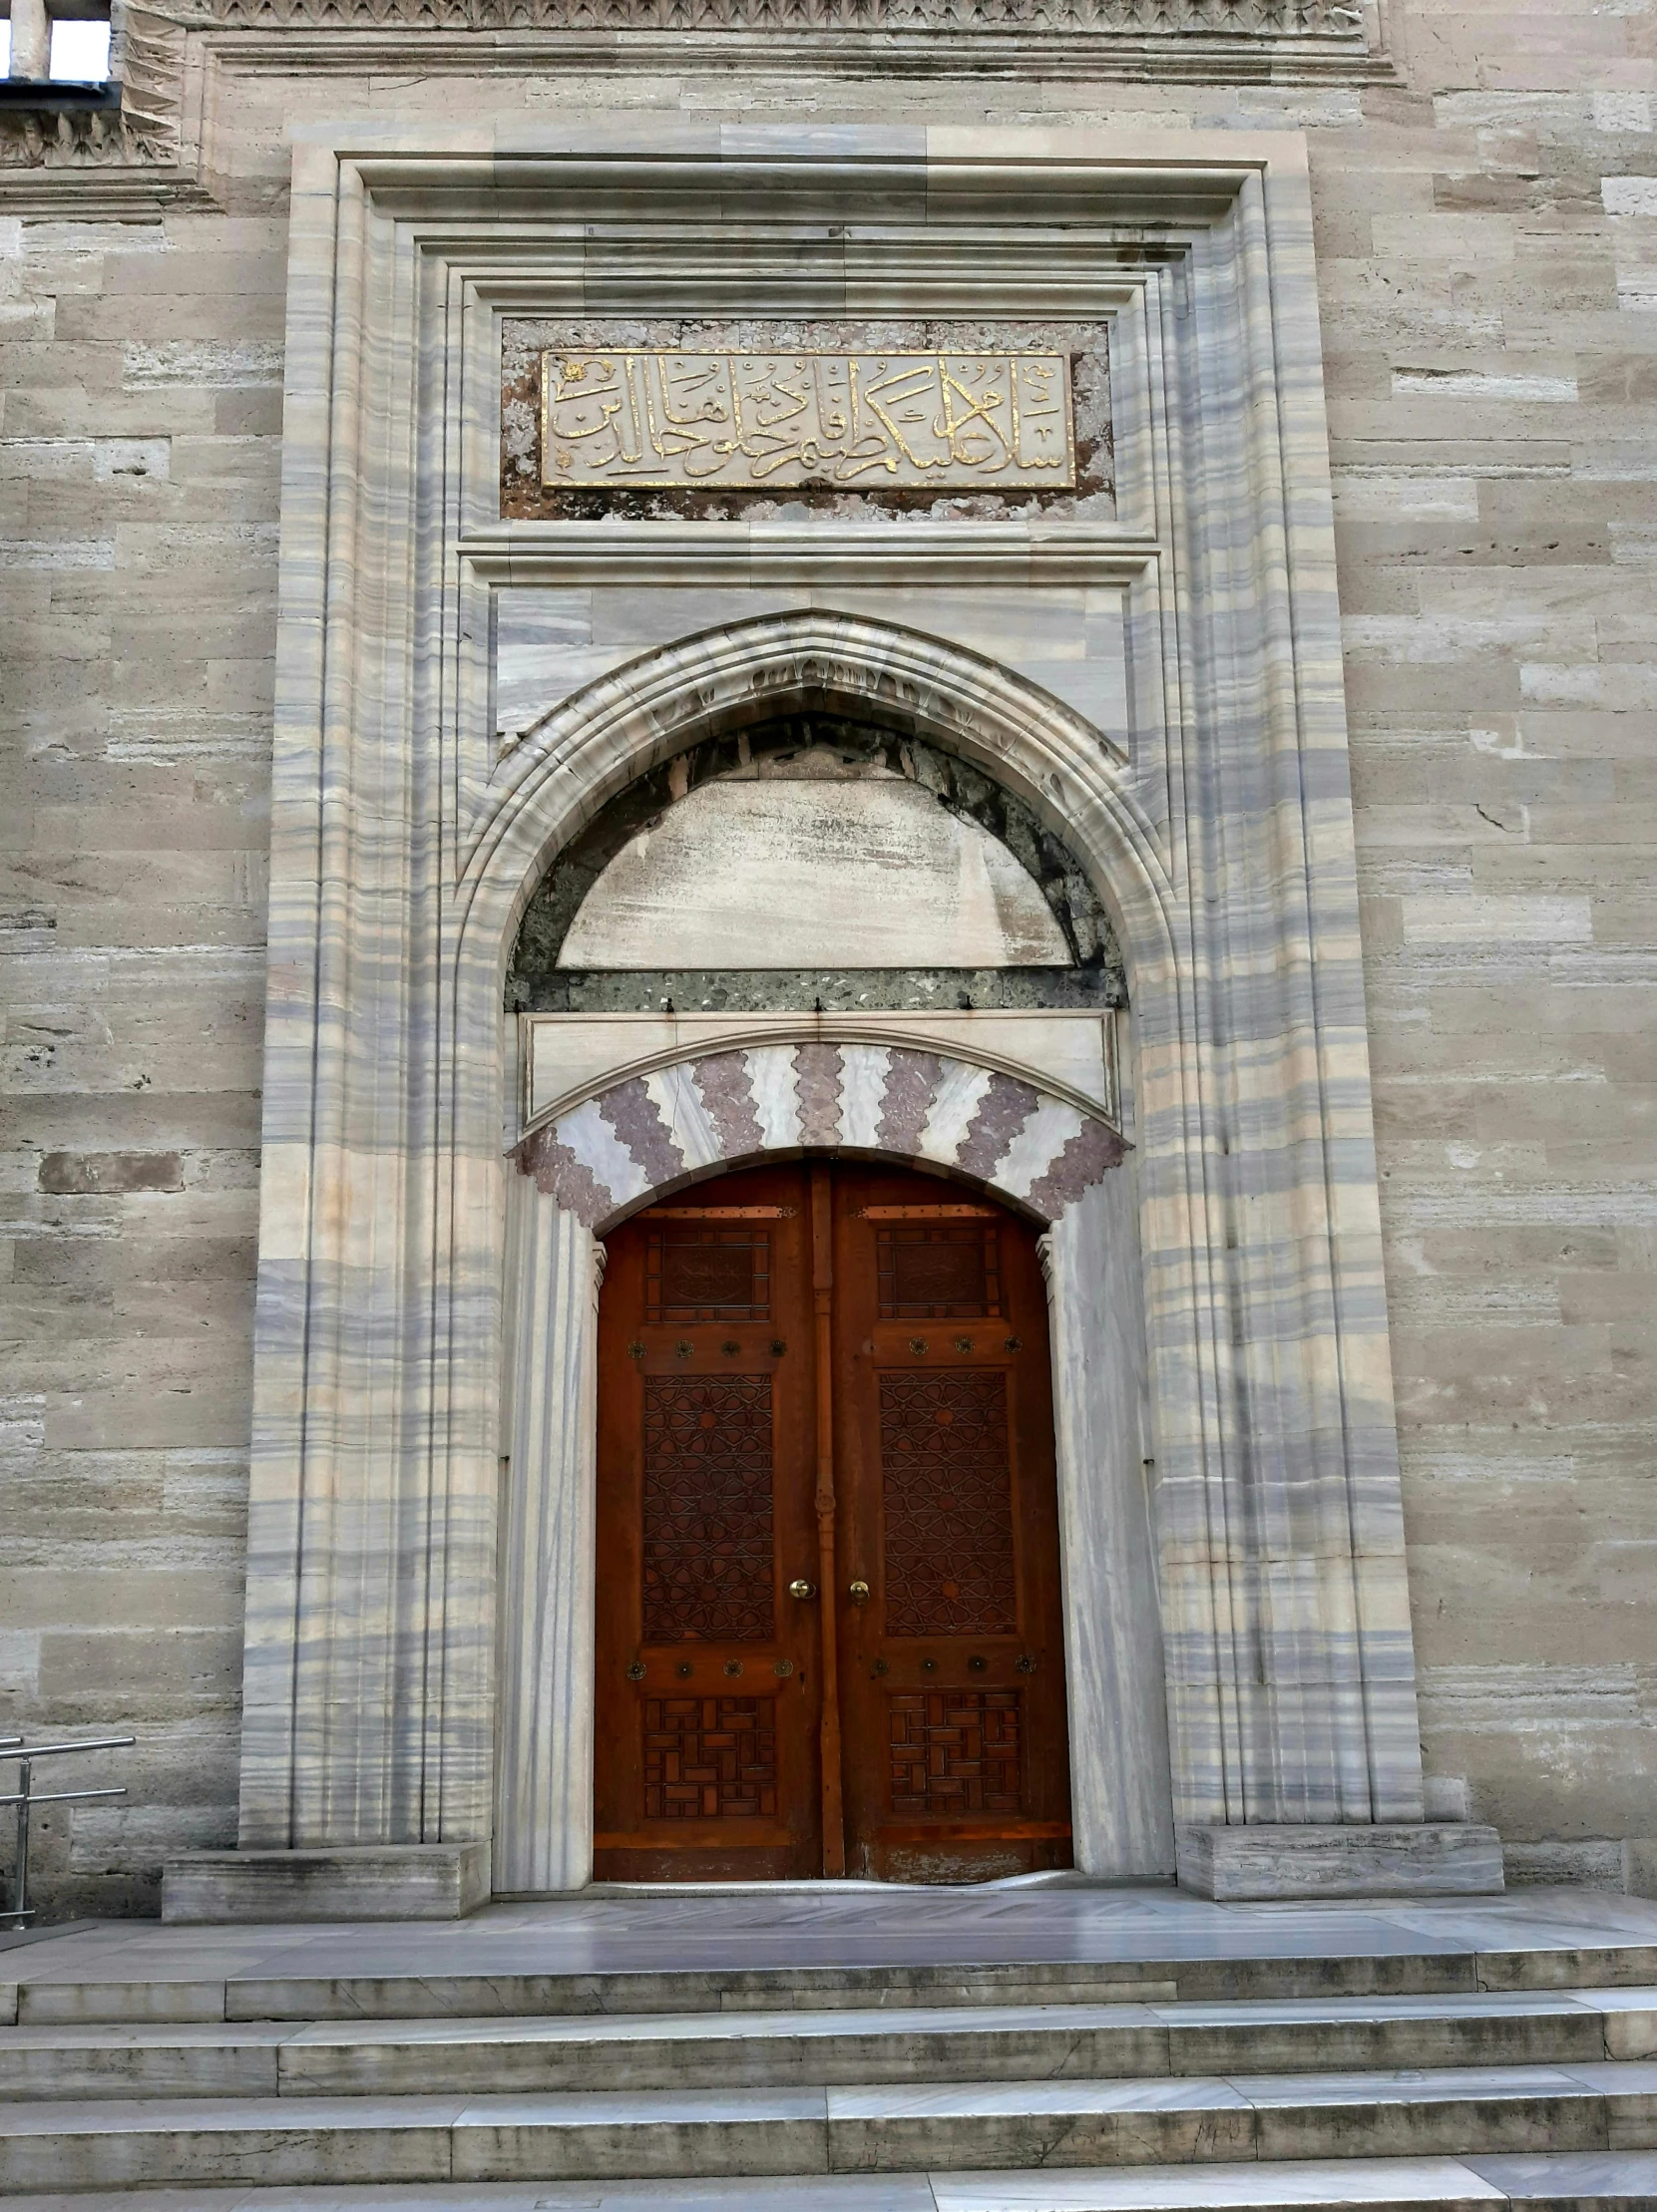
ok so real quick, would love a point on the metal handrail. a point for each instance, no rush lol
(25, 1797)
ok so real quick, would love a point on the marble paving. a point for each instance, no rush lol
(1050, 1921)
(1616, 2177)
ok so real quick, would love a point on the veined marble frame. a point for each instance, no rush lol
(1219, 826)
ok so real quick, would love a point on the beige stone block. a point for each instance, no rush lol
(151, 1119)
(1424, 236)
(129, 1596)
(137, 1671)
(81, 1172)
(174, 1364)
(224, 274)
(1518, 1391)
(88, 1263)
(249, 413)
(1499, 919)
(215, 1414)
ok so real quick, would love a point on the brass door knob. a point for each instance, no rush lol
(802, 1589)
(858, 1593)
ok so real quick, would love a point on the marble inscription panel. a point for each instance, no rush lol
(782, 481)
(741, 420)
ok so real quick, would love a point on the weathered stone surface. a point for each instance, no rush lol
(1426, 1859)
(414, 1881)
(1496, 555)
(82, 1173)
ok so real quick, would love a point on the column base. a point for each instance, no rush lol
(369, 1881)
(1402, 1859)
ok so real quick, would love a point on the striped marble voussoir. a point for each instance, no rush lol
(649, 1132)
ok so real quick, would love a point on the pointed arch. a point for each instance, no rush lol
(586, 749)
(652, 1133)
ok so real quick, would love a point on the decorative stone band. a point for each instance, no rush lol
(941, 18)
(652, 1131)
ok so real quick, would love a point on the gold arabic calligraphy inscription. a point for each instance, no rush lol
(775, 421)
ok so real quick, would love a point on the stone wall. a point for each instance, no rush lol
(1487, 238)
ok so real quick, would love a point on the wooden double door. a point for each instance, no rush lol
(829, 1626)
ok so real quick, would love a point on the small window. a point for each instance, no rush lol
(58, 42)
(80, 53)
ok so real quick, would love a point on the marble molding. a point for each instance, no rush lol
(405, 842)
(544, 1778)
(1071, 1055)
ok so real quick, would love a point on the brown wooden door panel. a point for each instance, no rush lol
(722, 1345)
(707, 1669)
(951, 1670)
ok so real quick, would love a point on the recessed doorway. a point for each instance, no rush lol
(829, 1622)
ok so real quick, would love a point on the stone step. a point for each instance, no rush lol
(1545, 2181)
(426, 1990)
(983, 2043)
(882, 2129)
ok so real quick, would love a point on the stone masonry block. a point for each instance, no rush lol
(75, 1173)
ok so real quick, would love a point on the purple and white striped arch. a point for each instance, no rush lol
(650, 1132)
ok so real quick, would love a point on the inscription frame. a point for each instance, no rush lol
(878, 419)
(1078, 331)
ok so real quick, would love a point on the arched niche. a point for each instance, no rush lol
(815, 860)
(743, 875)
(391, 1202)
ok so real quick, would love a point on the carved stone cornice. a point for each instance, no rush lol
(142, 155)
(131, 148)
(943, 21)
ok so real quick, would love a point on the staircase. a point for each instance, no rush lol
(1430, 2077)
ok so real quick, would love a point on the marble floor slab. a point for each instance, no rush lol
(1615, 2176)
(1389, 2182)
(594, 1931)
(1525, 2176)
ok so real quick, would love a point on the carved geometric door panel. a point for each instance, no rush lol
(952, 1668)
(708, 1689)
(827, 1641)
(948, 1566)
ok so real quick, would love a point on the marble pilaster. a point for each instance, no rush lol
(1119, 1783)
(544, 1774)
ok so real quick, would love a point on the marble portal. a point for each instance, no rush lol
(382, 1705)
